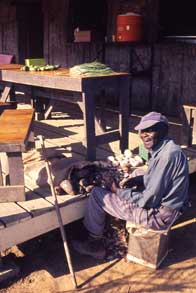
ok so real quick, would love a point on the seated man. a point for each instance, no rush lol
(161, 197)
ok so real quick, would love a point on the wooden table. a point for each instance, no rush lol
(15, 127)
(87, 86)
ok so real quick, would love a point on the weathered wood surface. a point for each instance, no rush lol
(35, 216)
(35, 226)
(8, 28)
(59, 79)
(12, 193)
(15, 128)
(88, 86)
(7, 105)
(173, 65)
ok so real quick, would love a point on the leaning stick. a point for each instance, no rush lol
(58, 212)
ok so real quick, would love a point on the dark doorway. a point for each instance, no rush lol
(30, 29)
(88, 15)
(177, 18)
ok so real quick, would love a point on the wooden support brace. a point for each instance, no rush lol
(7, 94)
(49, 109)
(15, 190)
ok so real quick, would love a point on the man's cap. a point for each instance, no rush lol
(151, 119)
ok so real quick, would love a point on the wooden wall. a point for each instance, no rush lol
(174, 74)
(169, 84)
(8, 29)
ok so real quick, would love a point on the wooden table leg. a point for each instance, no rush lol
(16, 169)
(89, 124)
(37, 104)
(15, 189)
(124, 113)
(98, 126)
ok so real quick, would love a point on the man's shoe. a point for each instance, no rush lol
(92, 247)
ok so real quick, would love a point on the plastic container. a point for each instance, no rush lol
(35, 61)
(129, 27)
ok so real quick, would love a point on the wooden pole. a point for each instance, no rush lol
(58, 212)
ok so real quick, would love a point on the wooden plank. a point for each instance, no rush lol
(15, 127)
(12, 193)
(190, 106)
(57, 79)
(89, 124)
(45, 193)
(76, 134)
(49, 109)
(11, 214)
(61, 140)
(16, 169)
(107, 137)
(23, 231)
(10, 66)
(35, 204)
(7, 105)
(6, 92)
(59, 95)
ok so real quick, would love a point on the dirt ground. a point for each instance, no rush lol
(43, 266)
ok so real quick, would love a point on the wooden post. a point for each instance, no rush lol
(89, 124)
(124, 112)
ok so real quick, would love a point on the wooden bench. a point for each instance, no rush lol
(15, 128)
(22, 221)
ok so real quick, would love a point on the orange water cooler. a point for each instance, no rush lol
(129, 27)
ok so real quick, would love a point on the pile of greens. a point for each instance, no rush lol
(39, 67)
(92, 68)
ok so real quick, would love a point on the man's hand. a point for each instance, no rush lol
(127, 182)
(114, 187)
(132, 181)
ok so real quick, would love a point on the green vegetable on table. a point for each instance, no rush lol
(92, 68)
(39, 67)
